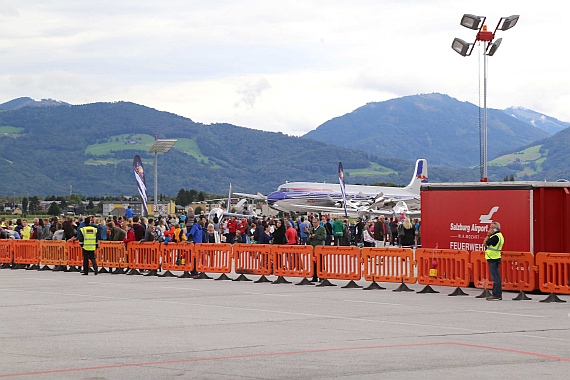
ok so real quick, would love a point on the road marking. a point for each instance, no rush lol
(511, 314)
(374, 303)
(268, 294)
(284, 353)
(181, 288)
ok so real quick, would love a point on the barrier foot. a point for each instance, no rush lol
(73, 269)
(60, 268)
(374, 286)
(458, 292)
(281, 280)
(203, 276)
(44, 268)
(352, 285)
(427, 289)
(119, 271)
(223, 277)
(17, 266)
(133, 272)
(186, 274)
(325, 282)
(552, 298)
(102, 270)
(152, 273)
(33, 267)
(486, 293)
(521, 297)
(5, 266)
(262, 279)
(402, 288)
(167, 274)
(242, 277)
(305, 281)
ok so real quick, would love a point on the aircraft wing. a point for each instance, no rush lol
(257, 196)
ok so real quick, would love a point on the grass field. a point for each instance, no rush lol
(373, 170)
(530, 154)
(10, 131)
(142, 142)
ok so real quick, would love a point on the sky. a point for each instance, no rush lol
(285, 65)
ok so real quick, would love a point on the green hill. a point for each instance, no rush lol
(44, 150)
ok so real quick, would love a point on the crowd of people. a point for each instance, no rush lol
(188, 227)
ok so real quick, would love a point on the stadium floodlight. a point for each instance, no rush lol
(509, 22)
(461, 47)
(159, 146)
(493, 47)
(472, 21)
(490, 48)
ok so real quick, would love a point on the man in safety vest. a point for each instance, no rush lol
(494, 243)
(87, 237)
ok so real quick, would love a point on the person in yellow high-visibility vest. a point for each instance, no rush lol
(494, 243)
(88, 240)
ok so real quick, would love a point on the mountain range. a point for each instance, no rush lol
(437, 127)
(47, 146)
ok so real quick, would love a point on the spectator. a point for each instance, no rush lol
(129, 213)
(291, 234)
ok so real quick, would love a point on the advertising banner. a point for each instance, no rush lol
(460, 219)
(141, 183)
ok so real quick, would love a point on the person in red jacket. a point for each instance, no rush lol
(130, 234)
(291, 234)
(232, 228)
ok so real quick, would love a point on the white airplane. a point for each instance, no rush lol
(241, 205)
(360, 200)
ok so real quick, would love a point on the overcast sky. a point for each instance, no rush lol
(278, 65)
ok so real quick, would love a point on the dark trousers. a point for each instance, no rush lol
(495, 269)
(89, 255)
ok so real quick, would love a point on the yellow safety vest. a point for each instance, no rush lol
(89, 238)
(494, 251)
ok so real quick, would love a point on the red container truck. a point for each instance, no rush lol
(534, 216)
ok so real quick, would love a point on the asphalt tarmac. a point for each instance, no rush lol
(56, 325)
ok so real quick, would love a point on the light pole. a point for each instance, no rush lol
(159, 145)
(463, 48)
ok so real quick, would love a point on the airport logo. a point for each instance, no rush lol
(487, 218)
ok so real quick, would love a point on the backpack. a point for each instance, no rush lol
(401, 231)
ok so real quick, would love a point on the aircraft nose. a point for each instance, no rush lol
(275, 197)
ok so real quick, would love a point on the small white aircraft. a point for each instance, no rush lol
(241, 205)
(360, 200)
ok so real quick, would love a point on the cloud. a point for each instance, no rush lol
(251, 91)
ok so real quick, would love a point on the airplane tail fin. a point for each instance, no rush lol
(420, 176)
(229, 201)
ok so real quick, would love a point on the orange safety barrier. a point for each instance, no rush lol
(553, 272)
(74, 253)
(452, 267)
(177, 256)
(388, 265)
(214, 258)
(339, 262)
(292, 260)
(6, 248)
(26, 252)
(143, 255)
(111, 254)
(253, 259)
(53, 252)
(518, 271)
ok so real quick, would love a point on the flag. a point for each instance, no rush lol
(141, 183)
(342, 187)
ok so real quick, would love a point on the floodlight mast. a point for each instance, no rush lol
(465, 49)
(159, 145)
